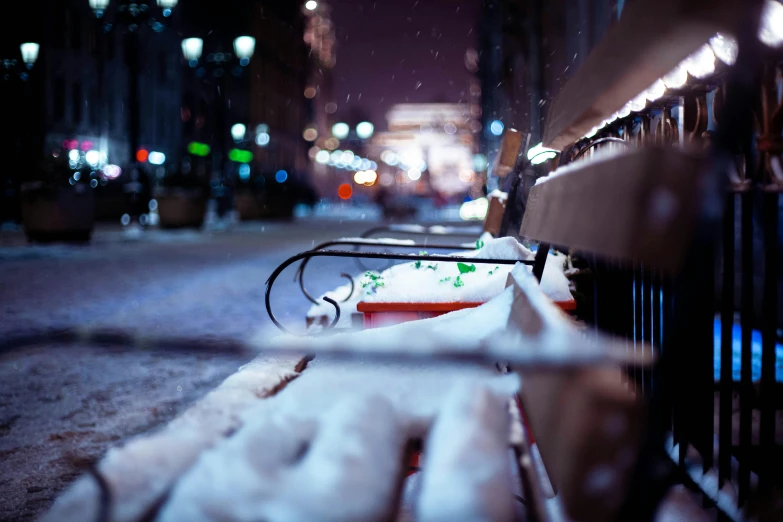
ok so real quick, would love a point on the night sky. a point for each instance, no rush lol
(396, 51)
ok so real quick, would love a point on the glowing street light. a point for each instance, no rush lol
(156, 158)
(771, 30)
(323, 157)
(99, 6)
(192, 49)
(29, 52)
(365, 130)
(340, 130)
(238, 132)
(244, 47)
(311, 5)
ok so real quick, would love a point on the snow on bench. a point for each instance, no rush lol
(332, 446)
(456, 286)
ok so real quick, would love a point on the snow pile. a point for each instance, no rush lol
(339, 467)
(330, 447)
(483, 239)
(439, 282)
(520, 325)
(498, 194)
(141, 472)
(467, 472)
(600, 155)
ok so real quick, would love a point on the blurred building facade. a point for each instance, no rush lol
(79, 110)
(428, 148)
(278, 108)
(528, 51)
(320, 37)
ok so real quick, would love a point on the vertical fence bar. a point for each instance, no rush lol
(637, 321)
(746, 319)
(647, 333)
(768, 339)
(726, 343)
(656, 320)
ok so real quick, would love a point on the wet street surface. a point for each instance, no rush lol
(63, 406)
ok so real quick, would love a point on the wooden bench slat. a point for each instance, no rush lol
(640, 205)
(650, 39)
(585, 421)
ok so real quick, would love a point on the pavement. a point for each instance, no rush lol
(62, 407)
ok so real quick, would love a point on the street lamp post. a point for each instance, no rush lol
(131, 15)
(17, 129)
(215, 66)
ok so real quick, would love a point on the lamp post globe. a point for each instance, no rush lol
(29, 52)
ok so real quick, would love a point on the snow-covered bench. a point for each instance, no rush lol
(580, 415)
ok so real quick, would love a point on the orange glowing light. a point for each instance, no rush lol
(142, 155)
(345, 191)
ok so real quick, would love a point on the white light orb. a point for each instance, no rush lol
(238, 131)
(340, 130)
(156, 158)
(701, 64)
(93, 157)
(677, 77)
(244, 47)
(192, 48)
(771, 30)
(655, 91)
(725, 48)
(365, 130)
(29, 52)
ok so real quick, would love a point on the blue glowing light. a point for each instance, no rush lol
(281, 176)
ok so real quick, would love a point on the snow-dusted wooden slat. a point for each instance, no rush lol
(508, 153)
(639, 205)
(585, 421)
(494, 218)
(649, 40)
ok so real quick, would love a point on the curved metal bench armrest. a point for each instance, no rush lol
(367, 255)
(357, 243)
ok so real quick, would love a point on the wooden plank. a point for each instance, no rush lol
(587, 427)
(509, 152)
(641, 205)
(584, 419)
(650, 39)
(494, 219)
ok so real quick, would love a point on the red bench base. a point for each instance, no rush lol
(377, 315)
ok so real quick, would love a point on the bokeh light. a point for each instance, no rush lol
(345, 191)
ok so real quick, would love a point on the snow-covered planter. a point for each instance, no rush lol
(181, 207)
(55, 213)
(249, 205)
